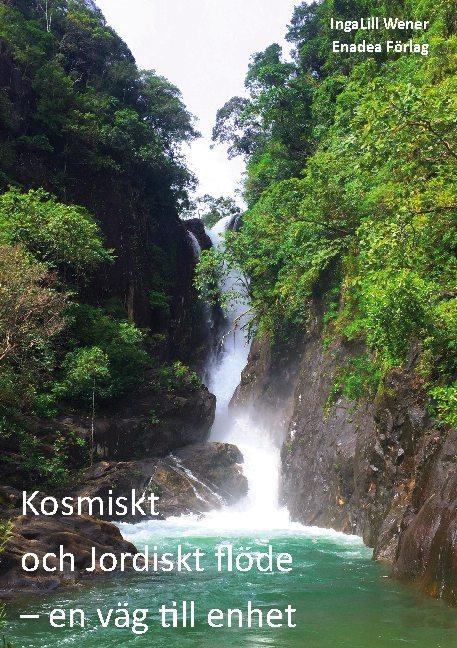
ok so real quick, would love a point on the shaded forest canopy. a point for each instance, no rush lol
(351, 192)
(95, 265)
(88, 108)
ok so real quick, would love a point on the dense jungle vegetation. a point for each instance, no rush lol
(91, 247)
(351, 191)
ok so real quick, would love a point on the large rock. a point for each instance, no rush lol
(267, 384)
(149, 424)
(195, 479)
(352, 466)
(42, 535)
(219, 466)
(427, 552)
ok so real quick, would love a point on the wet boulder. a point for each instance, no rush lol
(195, 479)
(79, 535)
(219, 465)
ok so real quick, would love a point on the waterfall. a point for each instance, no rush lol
(196, 248)
(249, 431)
(258, 443)
(258, 515)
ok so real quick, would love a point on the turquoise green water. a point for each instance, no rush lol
(342, 598)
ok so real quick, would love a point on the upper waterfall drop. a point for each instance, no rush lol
(225, 367)
(196, 247)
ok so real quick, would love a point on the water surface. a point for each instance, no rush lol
(343, 598)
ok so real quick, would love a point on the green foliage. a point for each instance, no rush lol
(93, 108)
(6, 529)
(90, 147)
(446, 403)
(160, 302)
(45, 405)
(32, 315)
(176, 377)
(217, 267)
(211, 210)
(332, 305)
(153, 419)
(38, 365)
(107, 352)
(44, 460)
(183, 376)
(332, 311)
(29, 43)
(160, 266)
(360, 378)
(351, 171)
(210, 274)
(78, 118)
(61, 236)
(85, 370)
(165, 111)
(397, 310)
(48, 467)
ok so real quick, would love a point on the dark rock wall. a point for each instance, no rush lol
(151, 425)
(197, 228)
(267, 384)
(209, 320)
(378, 468)
(427, 552)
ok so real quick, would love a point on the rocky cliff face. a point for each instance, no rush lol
(140, 223)
(427, 551)
(149, 424)
(378, 468)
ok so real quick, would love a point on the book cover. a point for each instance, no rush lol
(228, 320)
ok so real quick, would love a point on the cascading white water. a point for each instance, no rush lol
(258, 443)
(196, 248)
(225, 368)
